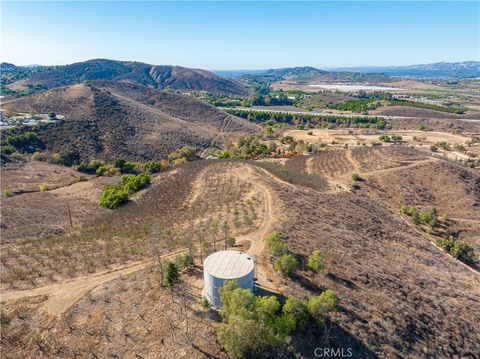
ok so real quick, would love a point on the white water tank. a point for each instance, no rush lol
(226, 265)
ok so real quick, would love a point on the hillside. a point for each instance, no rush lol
(116, 119)
(161, 77)
(400, 295)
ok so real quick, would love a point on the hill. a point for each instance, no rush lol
(161, 77)
(400, 295)
(109, 119)
(308, 74)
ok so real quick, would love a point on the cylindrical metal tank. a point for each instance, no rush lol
(226, 265)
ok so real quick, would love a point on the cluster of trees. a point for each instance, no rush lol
(270, 118)
(285, 262)
(114, 196)
(458, 249)
(250, 324)
(248, 147)
(13, 141)
(358, 105)
(393, 138)
(429, 218)
(121, 166)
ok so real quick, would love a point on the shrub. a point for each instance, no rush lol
(124, 166)
(133, 183)
(458, 249)
(384, 138)
(205, 303)
(90, 168)
(69, 158)
(172, 275)
(100, 170)
(113, 196)
(287, 264)
(356, 176)
(316, 261)
(321, 305)
(43, 187)
(153, 167)
(7, 193)
(276, 244)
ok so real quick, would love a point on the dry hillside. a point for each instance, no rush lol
(115, 119)
(162, 77)
(94, 291)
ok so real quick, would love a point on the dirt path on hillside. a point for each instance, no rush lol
(62, 296)
(257, 238)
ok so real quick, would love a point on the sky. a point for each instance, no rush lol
(241, 35)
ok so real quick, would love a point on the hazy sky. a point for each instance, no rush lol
(241, 35)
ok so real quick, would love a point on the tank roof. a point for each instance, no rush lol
(228, 264)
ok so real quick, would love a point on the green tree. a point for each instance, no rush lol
(316, 261)
(287, 264)
(276, 244)
(297, 309)
(113, 196)
(172, 275)
(321, 305)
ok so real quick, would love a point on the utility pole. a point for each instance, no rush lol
(70, 215)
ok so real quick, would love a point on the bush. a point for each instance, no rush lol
(276, 244)
(321, 305)
(124, 166)
(134, 183)
(100, 170)
(287, 264)
(7, 193)
(356, 176)
(458, 249)
(184, 261)
(172, 275)
(113, 196)
(316, 261)
(69, 158)
(153, 167)
(43, 187)
(384, 138)
(90, 168)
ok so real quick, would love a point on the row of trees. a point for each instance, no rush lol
(306, 119)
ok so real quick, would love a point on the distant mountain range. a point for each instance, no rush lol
(161, 77)
(466, 69)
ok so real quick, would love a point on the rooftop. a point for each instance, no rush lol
(228, 264)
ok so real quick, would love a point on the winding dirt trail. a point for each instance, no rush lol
(257, 237)
(61, 296)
